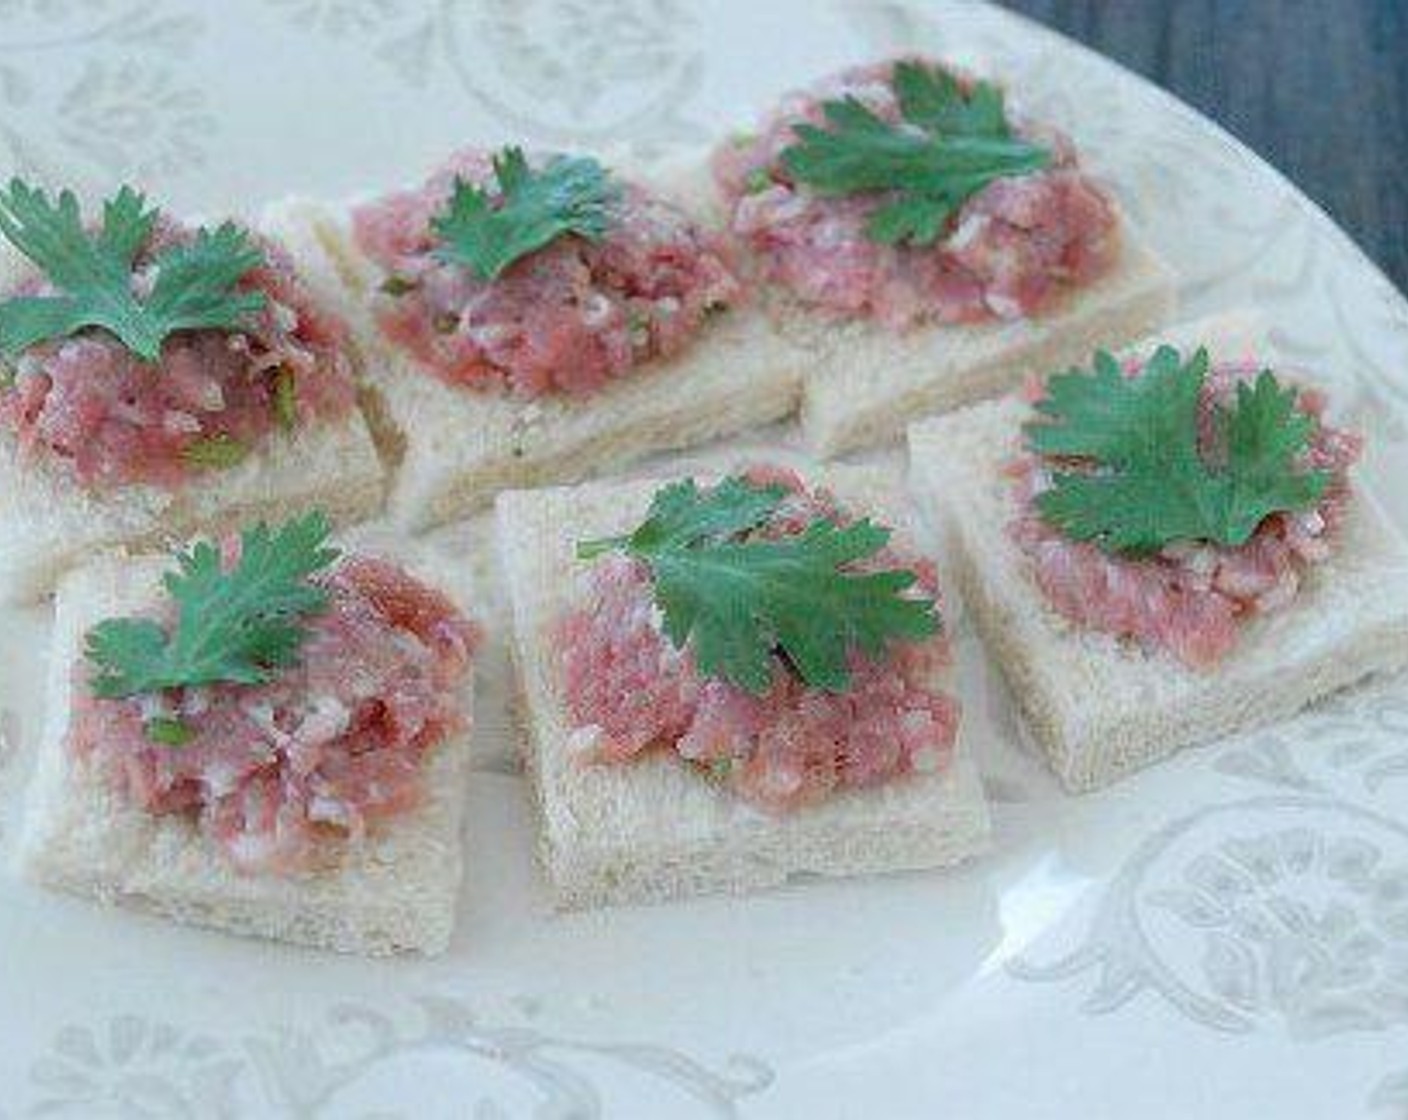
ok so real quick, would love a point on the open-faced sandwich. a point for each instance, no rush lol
(535, 319)
(268, 738)
(926, 245)
(1165, 547)
(731, 682)
(160, 378)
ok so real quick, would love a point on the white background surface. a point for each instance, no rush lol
(1226, 935)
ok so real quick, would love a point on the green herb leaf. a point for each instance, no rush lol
(218, 452)
(168, 732)
(738, 600)
(235, 626)
(194, 284)
(951, 145)
(532, 208)
(757, 180)
(931, 98)
(680, 514)
(285, 400)
(1151, 482)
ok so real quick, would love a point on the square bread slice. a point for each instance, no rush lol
(396, 893)
(452, 449)
(652, 829)
(869, 381)
(48, 523)
(1101, 708)
(864, 382)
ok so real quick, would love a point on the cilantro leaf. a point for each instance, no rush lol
(218, 452)
(681, 514)
(285, 398)
(951, 145)
(169, 732)
(1152, 483)
(531, 209)
(235, 625)
(931, 98)
(194, 283)
(738, 600)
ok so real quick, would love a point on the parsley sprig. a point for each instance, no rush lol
(951, 144)
(488, 232)
(739, 599)
(235, 625)
(1145, 479)
(193, 285)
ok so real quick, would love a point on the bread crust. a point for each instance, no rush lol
(869, 381)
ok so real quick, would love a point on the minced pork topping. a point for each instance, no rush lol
(631, 691)
(1191, 599)
(1009, 252)
(567, 318)
(282, 775)
(90, 404)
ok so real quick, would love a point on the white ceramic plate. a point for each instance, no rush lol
(1226, 935)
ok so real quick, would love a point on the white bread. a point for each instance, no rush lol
(864, 382)
(654, 829)
(394, 893)
(453, 449)
(1101, 708)
(869, 381)
(48, 522)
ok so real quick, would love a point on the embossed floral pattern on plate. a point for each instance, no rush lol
(120, 104)
(142, 1067)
